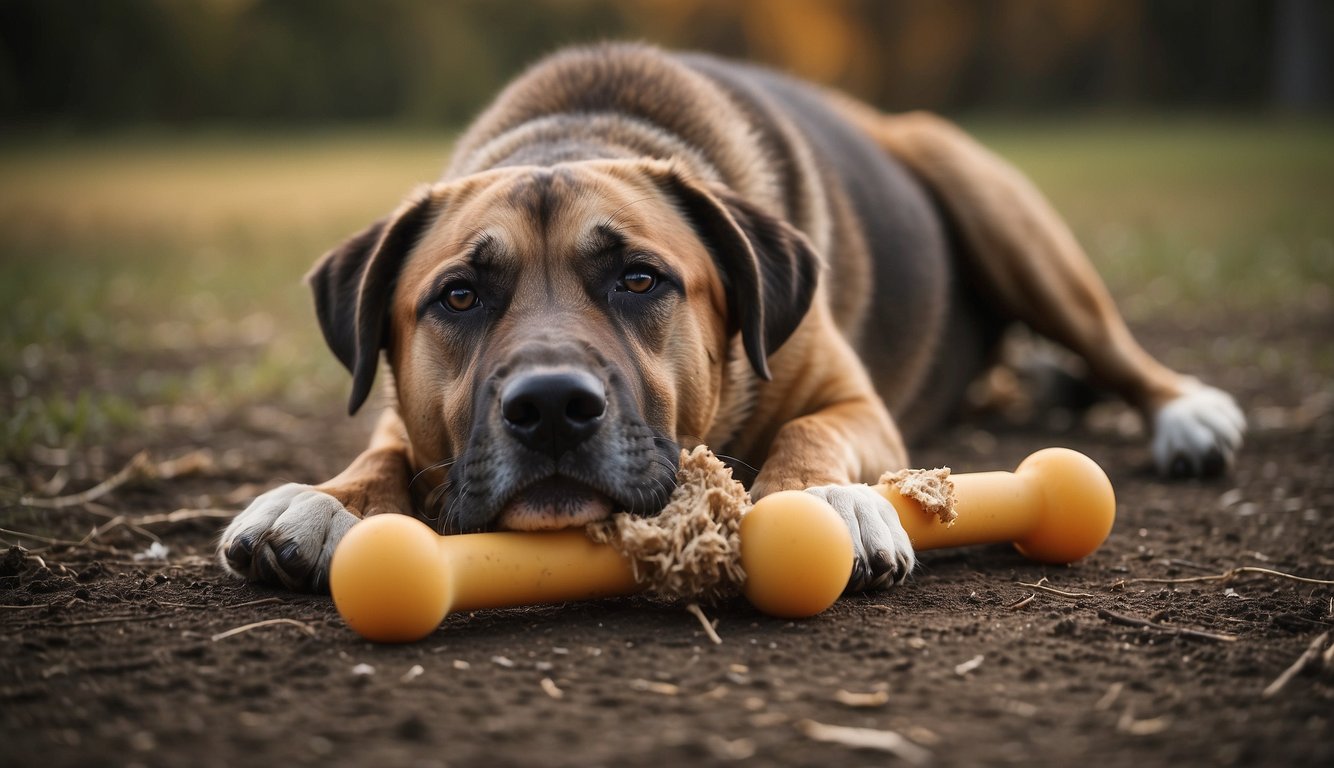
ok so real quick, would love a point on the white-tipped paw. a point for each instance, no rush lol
(1198, 433)
(883, 554)
(286, 538)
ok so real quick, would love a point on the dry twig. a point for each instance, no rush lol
(141, 467)
(183, 515)
(854, 699)
(1041, 585)
(1311, 653)
(118, 520)
(1227, 575)
(305, 628)
(60, 542)
(1149, 726)
(1021, 602)
(249, 603)
(550, 689)
(1135, 621)
(969, 666)
(698, 613)
(866, 738)
(1109, 698)
(654, 686)
(137, 524)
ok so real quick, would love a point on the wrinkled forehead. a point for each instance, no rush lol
(539, 214)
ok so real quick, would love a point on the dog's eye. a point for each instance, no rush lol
(639, 280)
(460, 297)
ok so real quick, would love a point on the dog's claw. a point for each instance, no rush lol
(241, 551)
(286, 538)
(265, 567)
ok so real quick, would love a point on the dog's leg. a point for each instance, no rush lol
(1040, 276)
(287, 536)
(846, 439)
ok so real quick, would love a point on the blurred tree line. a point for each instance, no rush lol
(95, 63)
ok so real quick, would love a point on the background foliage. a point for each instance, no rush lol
(181, 62)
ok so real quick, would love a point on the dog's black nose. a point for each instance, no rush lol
(554, 410)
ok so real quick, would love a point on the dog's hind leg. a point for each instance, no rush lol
(1032, 266)
(287, 536)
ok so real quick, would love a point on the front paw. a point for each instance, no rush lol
(286, 538)
(1198, 433)
(883, 554)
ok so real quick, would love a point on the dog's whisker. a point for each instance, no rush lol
(668, 469)
(667, 485)
(736, 463)
(444, 464)
(640, 506)
(433, 499)
(450, 518)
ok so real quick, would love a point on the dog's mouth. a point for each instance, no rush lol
(553, 503)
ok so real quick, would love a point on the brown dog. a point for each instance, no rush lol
(634, 251)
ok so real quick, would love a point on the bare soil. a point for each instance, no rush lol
(109, 660)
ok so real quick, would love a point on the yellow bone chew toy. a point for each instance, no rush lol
(1057, 507)
(394, 579)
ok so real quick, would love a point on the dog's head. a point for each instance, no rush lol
(554, 332)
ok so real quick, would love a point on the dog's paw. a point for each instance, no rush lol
(1198, 433)
(883, 554)
(286, 538)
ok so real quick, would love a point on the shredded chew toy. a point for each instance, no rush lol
(394, 579)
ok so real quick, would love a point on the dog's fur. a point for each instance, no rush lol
(811, 267)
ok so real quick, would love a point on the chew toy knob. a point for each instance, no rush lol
(389, 580)
(1057, 507)
(797, 554)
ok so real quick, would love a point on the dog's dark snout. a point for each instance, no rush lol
(552, 411)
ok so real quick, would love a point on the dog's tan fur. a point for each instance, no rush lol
(718, 169)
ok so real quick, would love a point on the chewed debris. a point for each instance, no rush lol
(692, 548)
(931, 488)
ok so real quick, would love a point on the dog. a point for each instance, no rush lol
(634, 250)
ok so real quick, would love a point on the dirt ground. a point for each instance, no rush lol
(105, 660)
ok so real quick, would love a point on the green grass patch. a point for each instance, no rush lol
(147, 272)
(1189, 213)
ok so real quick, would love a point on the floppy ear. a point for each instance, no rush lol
(768, 267)
(354, 283)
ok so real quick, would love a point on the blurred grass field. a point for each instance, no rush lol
(146, 278)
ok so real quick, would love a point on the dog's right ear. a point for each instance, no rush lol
(769, 268)
(353, 285)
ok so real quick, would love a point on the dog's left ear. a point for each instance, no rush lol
(353, 285)
(768, 267)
